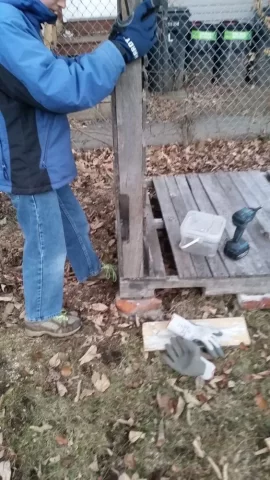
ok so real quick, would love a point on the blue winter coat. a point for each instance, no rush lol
(37, 91)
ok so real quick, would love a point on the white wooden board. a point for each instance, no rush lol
(234, 329)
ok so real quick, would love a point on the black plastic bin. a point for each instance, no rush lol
(179, 25)
(233, 55)
(261, 40)
(166, 59)
(200, 52)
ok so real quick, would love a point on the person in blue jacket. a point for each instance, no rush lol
(37, 91)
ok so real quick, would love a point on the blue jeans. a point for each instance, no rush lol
(54, 228)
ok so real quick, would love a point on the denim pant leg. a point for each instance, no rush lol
(84, 260)
(44, 254)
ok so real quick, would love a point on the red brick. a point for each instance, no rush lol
(254, 302)
(146, 307)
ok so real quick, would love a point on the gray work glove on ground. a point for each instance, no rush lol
(206, 337)
(184, 356)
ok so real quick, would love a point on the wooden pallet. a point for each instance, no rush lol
(219, 193)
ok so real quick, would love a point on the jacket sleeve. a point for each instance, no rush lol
(57, 85)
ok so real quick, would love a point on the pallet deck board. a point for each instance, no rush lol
(223, 207)
(156, 262)
(182, 204)
(261, 182)
(248, 192)
(220, 265)
(183, 262)
(258, 244)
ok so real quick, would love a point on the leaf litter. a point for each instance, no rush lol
(166, 403)
(61, 389)
(5, 470)
(89, 355)
(161, 434)
(94, 465)
(100, 382)
(130, 461)
(99, 307)
(44, 428)
(135, 435)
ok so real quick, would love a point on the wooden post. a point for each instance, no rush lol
(129, 155)
(51, 32)
(50, 36)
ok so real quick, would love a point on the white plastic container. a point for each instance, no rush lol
(201, 233)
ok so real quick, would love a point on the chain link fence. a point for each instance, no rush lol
(209, 73)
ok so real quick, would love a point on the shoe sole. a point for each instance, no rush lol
(33, 334)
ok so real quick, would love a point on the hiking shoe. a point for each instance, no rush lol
(63, 325)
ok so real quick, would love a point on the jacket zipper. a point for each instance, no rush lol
(43, 161)
(4, 166)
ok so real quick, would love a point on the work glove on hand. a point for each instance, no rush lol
(184, 357)
(136, 35)
(205, 337)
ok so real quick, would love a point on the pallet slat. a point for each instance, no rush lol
(261, 184)
(259, 246)
(193, 189)
(248, 190)
(233, 268)
(157, 267)
(253, 285)
(182, 205)
(184, 265)
(223, 207)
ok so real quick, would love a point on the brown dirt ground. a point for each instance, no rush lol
(232, 426)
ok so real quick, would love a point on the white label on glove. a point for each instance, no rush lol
(132, 47)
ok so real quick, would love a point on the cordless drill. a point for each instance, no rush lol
(237, 247)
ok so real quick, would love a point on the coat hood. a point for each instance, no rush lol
(34, 9)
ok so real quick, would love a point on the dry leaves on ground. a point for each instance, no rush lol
(190, 399)
(109, 332)
(61, 389)
(99, 307)
(122, 421)
(5, 470)
(261, 402)
(87, 392)
(94, 465)
(215, 468)
(166, 403)
(161, 434)
(100, 382)
(55, 361)
(135, 435)
(78, 391)
(124, 476)
(61, 441)
(42, 429)
(180, 407)
(197, 445)
(66, 371)
(89, 355)
(130, 461)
